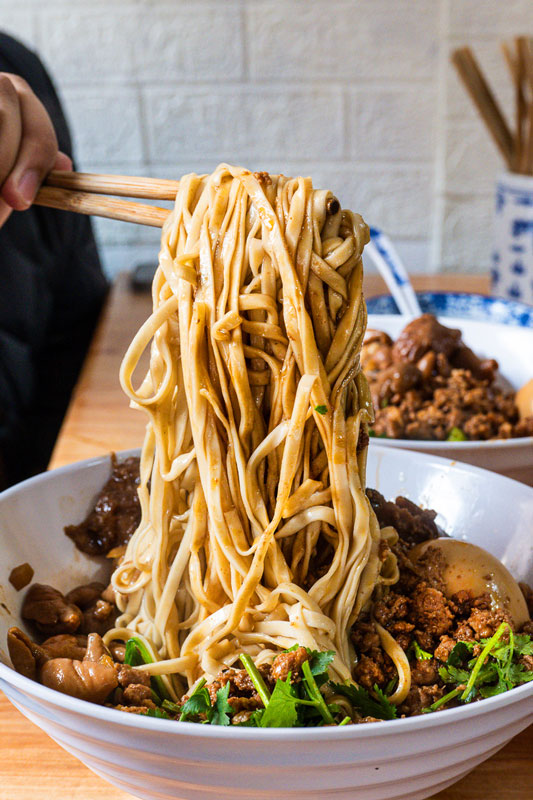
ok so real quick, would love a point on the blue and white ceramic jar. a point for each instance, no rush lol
(512, 268)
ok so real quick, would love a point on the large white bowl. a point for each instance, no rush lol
(160, 759)
(512, 347)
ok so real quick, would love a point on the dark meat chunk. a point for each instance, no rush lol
(85, 595)
(65, 645)
(431, 611)
(127, 675)
(98, 614)
(116, 513)
(412, 523)
(48, 609)
(485, 622)
(25, 655)
(527, 662)
(465, 358)
(136, 694)
(425, 672)
(392, 608)
(136, 709)
(98, 617)
(288, 662)
(118, 651)
(239, 704)
(368, 672)
(239, 680)
(21, 576)
(389, 422)
(420, 697)
(396, 379)
(241, 717)
(423, 334)
(445, 647)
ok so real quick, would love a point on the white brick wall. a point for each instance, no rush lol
(357, 93)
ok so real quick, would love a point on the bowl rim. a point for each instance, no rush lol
(111, 715)
(506, 301)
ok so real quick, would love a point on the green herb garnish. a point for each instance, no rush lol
(494, 670)
(256, 678)
(456, 435)
(156, 712)
(370, 705)
(136, 654)
(420, 655)
(372, 433)
(321, 409)
(220, 713)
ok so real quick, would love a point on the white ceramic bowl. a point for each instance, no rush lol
(160, 759)
(512, 347)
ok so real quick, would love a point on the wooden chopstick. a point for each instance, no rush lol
(112, 208)
(523, 45)
(120, 185)
(515, 65)
(485, 101)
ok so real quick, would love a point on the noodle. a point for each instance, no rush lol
(256, 533)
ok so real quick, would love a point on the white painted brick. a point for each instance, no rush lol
(396, 39)
(19, 21)
(90, 44)
(396, 124)
(105, 123)
(299, 39)
(486, 17)
(467, 233)
(238, 124)
(190, 42)
(472, 160)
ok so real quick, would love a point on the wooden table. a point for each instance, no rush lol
(99, 420)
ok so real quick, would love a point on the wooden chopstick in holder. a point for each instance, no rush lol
(483, 98)
(515, 65)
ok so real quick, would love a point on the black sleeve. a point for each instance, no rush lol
(52, 291)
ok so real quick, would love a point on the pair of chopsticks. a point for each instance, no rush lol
(516, 146)
(83, 193)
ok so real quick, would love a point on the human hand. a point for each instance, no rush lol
(28, 145)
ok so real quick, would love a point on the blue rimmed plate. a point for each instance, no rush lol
(460, 304)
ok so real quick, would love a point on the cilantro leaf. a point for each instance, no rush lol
(370, 706)
(460, 653)
(321, 409)
(523, 644)
(420, 655)
(281, 710)
(198, 703)
(222, 709)
(451, 674)
(156, 712)
(319, 663)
